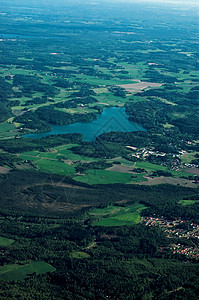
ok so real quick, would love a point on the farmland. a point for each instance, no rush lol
(188, 202)
(118, 215)
(17, 272)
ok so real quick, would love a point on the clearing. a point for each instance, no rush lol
(140, 86)
(4, 242)
(118, 215)
(20, 272)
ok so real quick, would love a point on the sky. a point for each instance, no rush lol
(180, 2)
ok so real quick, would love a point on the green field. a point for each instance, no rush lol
(99, 81)
(118, 215)
(20, 272)
(149, 167)
(60, 160)
(105, 177)
(5, 241)
(188, 202)
(188, 157)
(55, 167)
(7, 130)
(79, 255)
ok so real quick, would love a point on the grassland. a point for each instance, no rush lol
(17, 272)
(7, 130)
(188, 157)
(4, 242)
(149, 167)
(61, 160)
(79, 255)
(188, 202)
(105, 176)
(117, 215)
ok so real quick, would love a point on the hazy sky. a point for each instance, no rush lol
(187, 2)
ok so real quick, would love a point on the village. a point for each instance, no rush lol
(177, 229)
(173, 160)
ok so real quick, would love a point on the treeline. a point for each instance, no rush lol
(155, 113)
(5, 93)
(100, 165)
(8, 160)
(19, 145)
(99, 149)
(43, 116)
(168, 140)
(30, 84)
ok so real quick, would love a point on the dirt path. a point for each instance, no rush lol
(121, 169)
(57, 184)
(4, 170)
(168, 180)
(140, 86)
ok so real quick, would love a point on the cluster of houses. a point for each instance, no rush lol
(175, 159)
(177, 229)
(145, 152)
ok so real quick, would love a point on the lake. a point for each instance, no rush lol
(111, 119)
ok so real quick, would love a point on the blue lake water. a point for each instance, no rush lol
(111, 119)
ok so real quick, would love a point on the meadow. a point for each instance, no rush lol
(7, 130)
(79, 255)
(61, 160)
(188, 202)
(4, 242)
(104, 176)
(15, 272)
(117, 215)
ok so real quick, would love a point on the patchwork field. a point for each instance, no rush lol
(61, 160)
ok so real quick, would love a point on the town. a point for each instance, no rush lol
(179, 230)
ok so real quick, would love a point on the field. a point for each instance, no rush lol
(118, 215)
(140, 86)
(188, 157)
(149, 167)
(5, 241)
(188, 202)
(168, 180)
(20, 272)
(79, 255)
(7, 130)
(4, 170)
(59, 160)
(104, 176)
(145, 165)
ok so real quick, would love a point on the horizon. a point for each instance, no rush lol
(60, 2)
